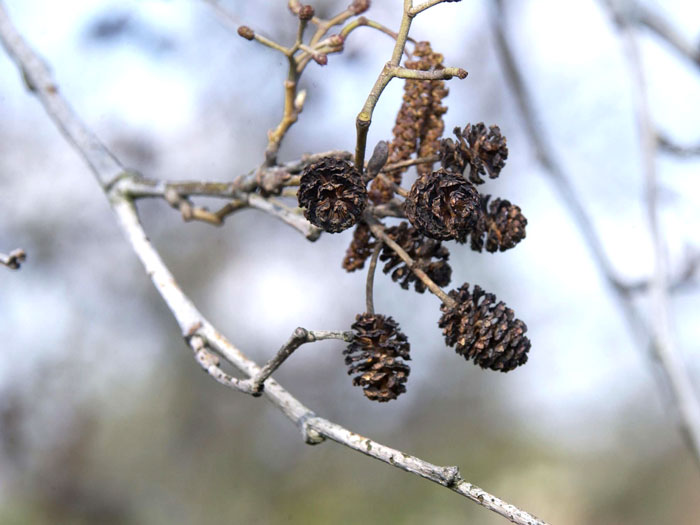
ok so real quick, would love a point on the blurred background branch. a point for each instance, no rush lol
(673, 375)
(14, 259)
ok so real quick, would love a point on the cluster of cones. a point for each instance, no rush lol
(443, 204)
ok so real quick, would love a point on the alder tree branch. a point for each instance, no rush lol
(14, 259)
(369, 287)
(666, 378)
(200, 334)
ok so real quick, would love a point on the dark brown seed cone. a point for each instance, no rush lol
(443, 206)
(376, 355)
(332, 194)
(501, 223)
(481, 149)
(429, 255)
(419, 123)
(360, 248)
(484, 332)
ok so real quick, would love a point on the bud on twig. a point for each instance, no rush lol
(378, 160)
(306, 12)
(246, 32)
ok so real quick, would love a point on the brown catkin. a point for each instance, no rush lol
(360, 248)
(419, 123)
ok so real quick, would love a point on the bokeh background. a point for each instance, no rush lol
(106, 418)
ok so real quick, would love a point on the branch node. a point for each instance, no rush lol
(451, 476)
(311, 435)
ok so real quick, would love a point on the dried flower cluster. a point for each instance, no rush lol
(442, 205)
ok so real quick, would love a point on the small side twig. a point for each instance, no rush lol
(369, 287)
(377, 229)
(14, 259)
(410, 162)
(299, 337)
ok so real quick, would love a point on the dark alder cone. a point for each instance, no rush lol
(502, 224)
(332, 194)
(429, 255)
(484, 331)
(481, 149)
(443, 206)
(419, 123)
(376, 357)
(360, 248)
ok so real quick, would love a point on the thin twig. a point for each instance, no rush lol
(410, 162)
(643, 15)
(299, 337)
(369, 286)
(14, 260)
(397, 189)
(378, 231)
(191, 322)
(210, 364)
